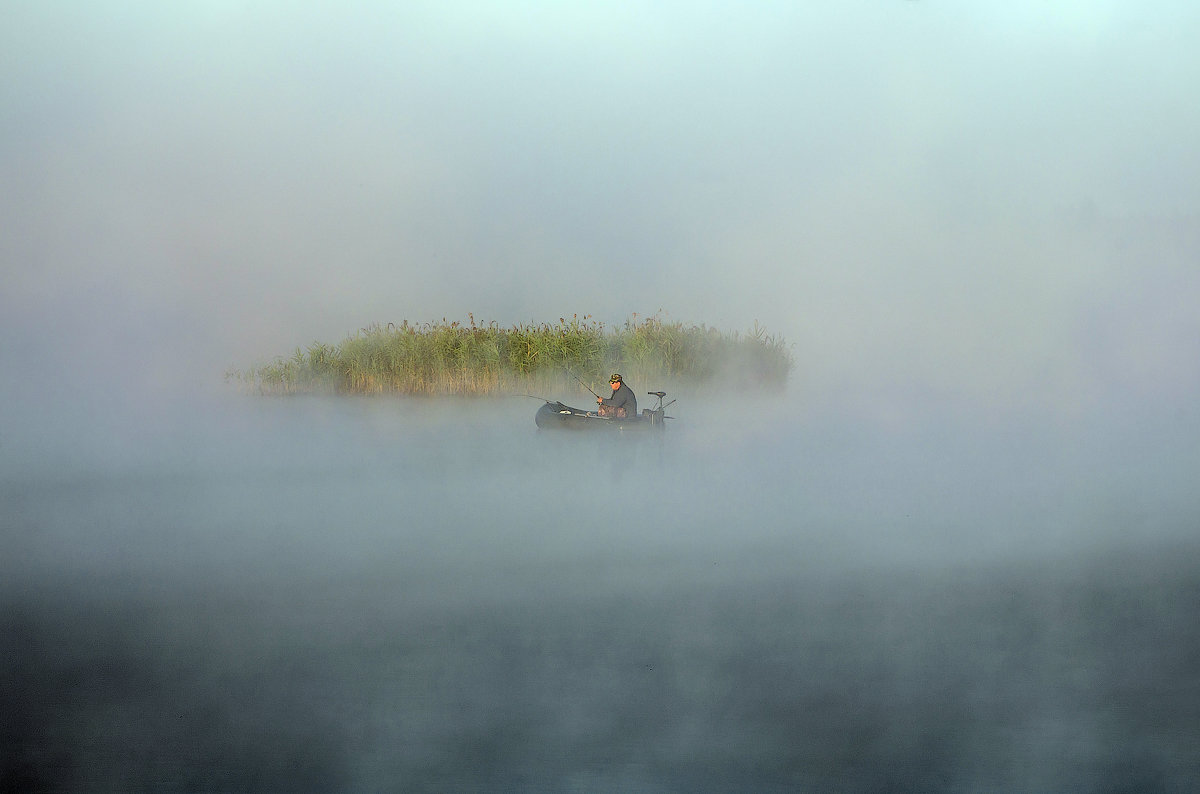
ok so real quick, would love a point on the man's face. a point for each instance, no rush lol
(615, 384)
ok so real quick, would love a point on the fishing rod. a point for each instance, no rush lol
(660, 395)
(584, 385)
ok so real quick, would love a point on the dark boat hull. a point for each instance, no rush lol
(556, 416)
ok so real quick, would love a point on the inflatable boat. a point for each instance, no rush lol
(557, 416)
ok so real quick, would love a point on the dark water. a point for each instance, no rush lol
(306, 595)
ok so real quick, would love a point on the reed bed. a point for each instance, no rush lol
(442, 358)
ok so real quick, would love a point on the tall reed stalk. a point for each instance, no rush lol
(452, 358)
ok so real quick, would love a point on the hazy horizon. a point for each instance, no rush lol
(995, 204)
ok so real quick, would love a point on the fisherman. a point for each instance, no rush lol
(622, 404)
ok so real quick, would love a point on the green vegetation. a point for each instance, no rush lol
(452, 358)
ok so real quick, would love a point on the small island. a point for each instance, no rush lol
(455, 358)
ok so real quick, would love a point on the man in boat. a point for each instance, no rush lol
(622, 404)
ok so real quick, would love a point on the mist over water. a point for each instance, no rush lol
(959, 552)
(321, 594)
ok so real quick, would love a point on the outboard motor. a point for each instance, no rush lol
(656, 415)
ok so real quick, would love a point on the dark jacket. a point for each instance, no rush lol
(622, 398)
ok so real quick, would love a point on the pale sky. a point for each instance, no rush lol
(996, 202)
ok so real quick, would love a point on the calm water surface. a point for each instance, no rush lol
(322, 595)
